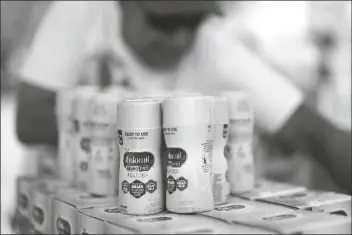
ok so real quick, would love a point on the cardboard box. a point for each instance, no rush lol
(24, 198)
(42, 204)
(112, 228)
(297, 222)
(24, 183)
(328, 202)
(89, 225)
(66, 208)
(106, 214)
(237, 207)
(170, 223)
(266, 188)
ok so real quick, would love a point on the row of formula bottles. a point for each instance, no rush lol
(50, 206)
(196, 149)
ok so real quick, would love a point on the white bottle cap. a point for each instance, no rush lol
(239, 105)
(220, 110)
(104, 108)
(83, 102)
(139, 114)
(186, 110)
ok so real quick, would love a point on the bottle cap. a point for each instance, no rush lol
(104, 108)
(239, 105)
(83, 102)
(139, 114)
(186, 110)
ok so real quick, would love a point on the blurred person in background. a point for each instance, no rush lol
(159, 45)
(19, 20)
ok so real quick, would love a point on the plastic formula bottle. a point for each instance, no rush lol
(83, 125)
(67, 135)
(239, 150)
(188, 138)
(220, 121)
(104, 159)
(141, 189)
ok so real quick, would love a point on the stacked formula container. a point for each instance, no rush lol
(239, 148)
(165, 164)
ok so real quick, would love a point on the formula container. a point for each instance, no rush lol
(188, 136)
(220, 121)
(141, 190)
(104, 160)
(24, 201)
(83, 102)
(101, 214)
(239, 150)
(170, 223)
(67, 134)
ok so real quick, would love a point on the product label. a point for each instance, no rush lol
(176, 157)
(227, 176)
(151, 186)
(140, 178)
(125, 186)
(86, 130)
(113, 211)
(280, 217)
(230, 208)
(171, 184)
(181, 183)
(120, 137)
(66, 155)
(103, 173)
(225, 132)
(137, 188)
(38, 215)
(293, 196)
(241, 167)
(241, 129)
(155, 219)
(217, 188)
(189, 150)
(138, 161)
(205, 163)
(62, 226)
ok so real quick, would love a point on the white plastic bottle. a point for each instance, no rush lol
(84, 126)
(67, 135)
(239, 150)
(220, 117)
(103, 166)
(188, 137)
(141, 189)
